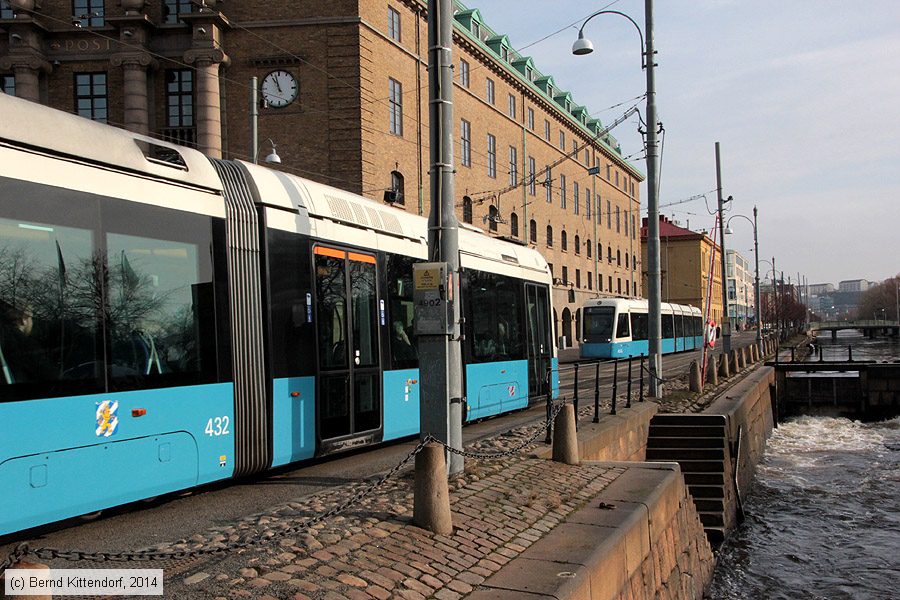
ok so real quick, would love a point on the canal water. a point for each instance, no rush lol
(823, 516)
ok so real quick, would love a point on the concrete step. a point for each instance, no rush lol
(704, 479)
(686, 442)
(669, 454)
(690, 431)
(712, 519)
(707, 491)
(702, 466)
(687, 419)
(715, 535)
(710, 504)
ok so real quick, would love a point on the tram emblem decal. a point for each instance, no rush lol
(107, 418)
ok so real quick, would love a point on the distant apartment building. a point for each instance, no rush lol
(739, 277)
(344, 94)
(853, 285)
(685, 261)
(819, 289)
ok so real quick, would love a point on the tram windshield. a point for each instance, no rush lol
(598, 323)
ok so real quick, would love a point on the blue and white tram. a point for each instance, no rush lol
(168, 320)
(619, 328)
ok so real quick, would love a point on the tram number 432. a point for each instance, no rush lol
(217, 426)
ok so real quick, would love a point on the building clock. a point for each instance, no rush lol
(279, 88)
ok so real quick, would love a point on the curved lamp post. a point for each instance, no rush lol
(756, 254)
(584, 46)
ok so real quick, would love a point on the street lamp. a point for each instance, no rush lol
(584, 46)
(756, 254)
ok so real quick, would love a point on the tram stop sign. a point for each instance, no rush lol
(433, 297)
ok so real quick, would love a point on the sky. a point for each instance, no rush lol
(803, 97)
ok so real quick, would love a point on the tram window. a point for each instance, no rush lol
(639, 326)
(698, 326)
(48, 299)
(160, 301)
(332, 311)
(622, 326)
(679, 326)
(363, 303)
(598, 323)
(495, 307)
(668, 326)
(293, 336)
(400, 315)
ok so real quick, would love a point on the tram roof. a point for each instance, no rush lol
(31, 125)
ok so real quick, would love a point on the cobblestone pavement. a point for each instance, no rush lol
(500, 507)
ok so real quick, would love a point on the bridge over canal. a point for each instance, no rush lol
(869, 328)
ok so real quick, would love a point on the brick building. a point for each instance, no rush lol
(684, 264)
(344, 85)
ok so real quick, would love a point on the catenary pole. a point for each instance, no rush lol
(726, 320)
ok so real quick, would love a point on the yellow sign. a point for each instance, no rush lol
(427, 279)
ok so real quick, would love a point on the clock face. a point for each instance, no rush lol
(279, 88)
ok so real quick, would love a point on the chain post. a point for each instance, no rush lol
(628, 401)
(575, 398)
(597, 393)
(615, 387)
(641, 394)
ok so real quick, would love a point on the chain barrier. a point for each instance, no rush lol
(505, 453)
(653, 375)
(24, 549)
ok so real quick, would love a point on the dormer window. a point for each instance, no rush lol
(476, 29)
(529, 74)
(504, 53)
(549, 90)
(568, 106)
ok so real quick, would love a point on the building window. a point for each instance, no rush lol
(492, 155)
(578, 278)
(529, 74)
(532, 231)
(618, 258)
(609, 257)
(568, 106)
(627, 265)
(617, 179)
(565, 275)
(532, 185)
(8, 84)
(514, 225)
(587, 156)
(632, 227)
(395, 106)
(6, 13)
(90, 96)
(464, 73)
(549, 90)
(180, 107)
(618, 220)
(564, 241)
(89, 13)
(513, 166)
(587, 248)
(394, 24)
(398, 187)
(587, 203)
(531, 119)
(599, 282)
(489, 86)
(562, 191)
(548, 185)
(476, 29)
(173, 8)
(562, 140)
(504, 53)
(577, 245)
(467, 210)
(608, 172)
(627, 290)
(609, 214)
(618, 285)
(549, 236)
(493, 218)
(465, 137)
(512, 106)
(575, 195)
(575, 149)
(546, 130)
(599, 210)
(590, 280)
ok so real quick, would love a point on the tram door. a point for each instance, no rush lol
(349, 367)
(539, 349)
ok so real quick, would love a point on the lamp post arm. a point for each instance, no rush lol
(621, 14)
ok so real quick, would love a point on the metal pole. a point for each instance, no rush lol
(575, 398)
(641, 384)
(777, 312)
(597, 393)
(441, 392)
(596, 215)
(759, 343)
(254, 120)
(726, 320)
(628, 401)
(653, 270)
(615, 386)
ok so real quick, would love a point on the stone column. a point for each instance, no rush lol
(209, 107)
(137, 108)
(27, 66)
(28, 83)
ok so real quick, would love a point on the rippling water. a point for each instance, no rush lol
(823, 516)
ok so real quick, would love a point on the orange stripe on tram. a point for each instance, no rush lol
(322, 250)
(362, 258)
